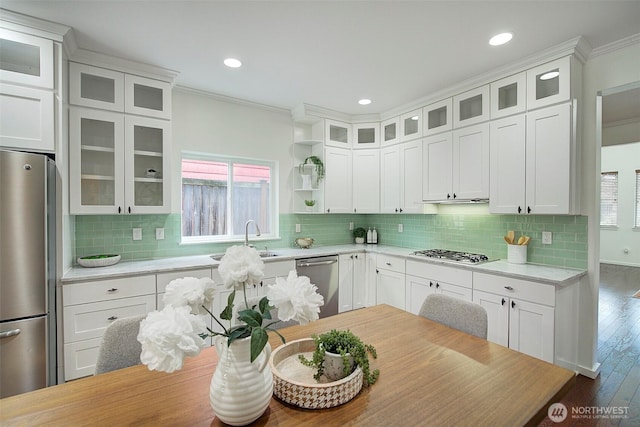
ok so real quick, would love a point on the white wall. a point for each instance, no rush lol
(608, 70)
(624, 159)
(207, 123)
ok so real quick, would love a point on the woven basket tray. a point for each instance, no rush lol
(294, 383)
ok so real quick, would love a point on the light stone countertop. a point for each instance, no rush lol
(540, 273)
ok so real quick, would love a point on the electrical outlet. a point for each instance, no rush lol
(546, 238)
(351, 226)
(137, 233)
(159, 233)
(297, 228)
(400, 228)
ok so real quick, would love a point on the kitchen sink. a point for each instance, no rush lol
(263, 254)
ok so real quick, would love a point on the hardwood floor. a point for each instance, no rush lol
(618, 385)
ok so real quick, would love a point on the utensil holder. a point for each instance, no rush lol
(517, 254)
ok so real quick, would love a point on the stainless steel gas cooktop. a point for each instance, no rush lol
(455, 256)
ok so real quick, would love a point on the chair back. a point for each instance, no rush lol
(120, 347)
(456, 313)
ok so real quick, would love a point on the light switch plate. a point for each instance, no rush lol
(159, 233)
(137, 233)
(351, 226)
(297, 228)
(400, 228)
(546, 238)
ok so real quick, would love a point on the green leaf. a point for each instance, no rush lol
(250, 317)
(227, 313)
(237, 333)
(259, 338)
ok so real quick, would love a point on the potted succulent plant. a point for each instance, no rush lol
(359, 234)
(337, 355)
(310, 204)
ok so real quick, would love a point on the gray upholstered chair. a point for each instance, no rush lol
(120, 347)
(456, 313)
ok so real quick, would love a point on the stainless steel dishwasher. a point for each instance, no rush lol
(323, 272)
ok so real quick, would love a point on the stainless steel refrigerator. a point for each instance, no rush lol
(27, 272)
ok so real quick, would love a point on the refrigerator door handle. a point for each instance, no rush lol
(11, 333)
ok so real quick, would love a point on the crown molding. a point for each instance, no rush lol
(616, 45)
(232, 100)
(37, 27)
(123, 65)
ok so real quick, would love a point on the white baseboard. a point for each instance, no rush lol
(592, 372)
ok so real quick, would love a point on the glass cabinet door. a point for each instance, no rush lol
(390, 130)
(411, 125)
(96, 155)
(96, 87)
(147, 97)
(471, 107)
(437, 117)
(508, 96)
(366, 135)
(147, 165)
(26, 59)
(337, 134)
(549, 83)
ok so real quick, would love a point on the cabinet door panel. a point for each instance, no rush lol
(338, 181)
(96, 87)
(390, 289)
(437, 152)
(366, 181)
(471, 162)
(507, 174)
(531, 329)
(26, 59)
(27, 118)
(417, 290)
(389, 179)
(359, 280)
(497, 307)
(548, 169)
(411, 170)
(345, 283)
(147, 97)
(454, 291)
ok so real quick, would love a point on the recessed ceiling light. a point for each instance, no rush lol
(550, 75)
(232, 63)
(364, 101)
(501, 38)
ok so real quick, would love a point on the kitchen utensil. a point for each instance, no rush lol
(511, 235)
(506, 239)
(521, 240)
(526, 240)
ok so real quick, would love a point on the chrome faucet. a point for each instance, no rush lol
(246, 231)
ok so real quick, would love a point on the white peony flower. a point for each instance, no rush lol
(241, 264)
(168, 336)
(190, 291)
(295, 298)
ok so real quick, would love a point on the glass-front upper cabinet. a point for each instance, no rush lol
(147, 97)
(549, 83)
(437, 117)
(96, 87)
(411, 125)
(337, 134)
(471, 107)
(366, 135)
(390, 131)
(26, 59)
(508, 96)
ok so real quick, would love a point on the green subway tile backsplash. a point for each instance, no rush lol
(480, 233)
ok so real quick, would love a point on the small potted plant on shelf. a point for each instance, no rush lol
(310, 204)
(359, 234)
(316, 162)
(337, 355)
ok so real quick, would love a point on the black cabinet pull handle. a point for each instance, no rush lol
(129, 209)
(509, 288)
(400, 210)
(112, 290)
(431, 284)
(437, 285)
(112, 318)
(119, 209)
(513, 304)
(528, 209)
(454, 195)
(519, 209)
(503, 301)
(448, 196)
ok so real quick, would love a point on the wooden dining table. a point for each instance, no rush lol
(430, 375)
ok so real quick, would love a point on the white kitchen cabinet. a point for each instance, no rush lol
(366, 135)
(533, 163)
(438, 117)
(89, 307)
(352, 291)
(26, 59)
(338, 181)
(457, 165)
(508, 96)
(111, 155)
(471, 107)
(366, 181)
(390, 131)
(401, 178)
(311, 188)
(163, 279)
(112, 90)
(27, 119)
(390, 278)
(424, 278)
(549, 83)
(520, 313)
(337, 134)
(411, 125)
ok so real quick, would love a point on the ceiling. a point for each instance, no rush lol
(331, 53)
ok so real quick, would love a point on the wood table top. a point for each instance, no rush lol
(429, 375)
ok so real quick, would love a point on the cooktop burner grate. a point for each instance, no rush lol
(463, 257)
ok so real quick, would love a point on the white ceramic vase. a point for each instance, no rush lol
(240, 391)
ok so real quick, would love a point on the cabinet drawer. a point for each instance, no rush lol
(388, 262)
(163, 279)
(515, 288)
(106, 290)
(87, 321)
(80, 358)
(27, 119)
(441, 273)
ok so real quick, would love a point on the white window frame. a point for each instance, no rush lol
(274, 200)
(636, 225)
(617, 181)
